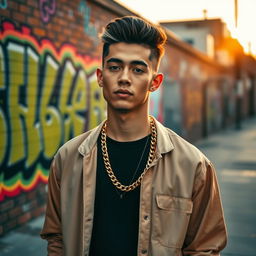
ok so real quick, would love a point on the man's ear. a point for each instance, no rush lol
(99, 77)
(156, 82)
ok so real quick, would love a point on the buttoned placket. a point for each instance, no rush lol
(145, 210)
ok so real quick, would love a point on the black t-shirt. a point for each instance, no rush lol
(116, 219)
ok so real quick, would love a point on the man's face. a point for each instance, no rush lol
(128, 76)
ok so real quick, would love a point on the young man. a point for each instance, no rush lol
(131, 186)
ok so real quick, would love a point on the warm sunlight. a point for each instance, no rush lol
(246, 21)
(193, 9)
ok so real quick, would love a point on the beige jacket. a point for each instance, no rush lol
(180, 206)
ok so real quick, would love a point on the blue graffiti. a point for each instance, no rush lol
(85, 10)
(3, 4)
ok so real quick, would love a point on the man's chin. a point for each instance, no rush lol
(123, 110)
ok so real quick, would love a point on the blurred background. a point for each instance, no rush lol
(49, 52)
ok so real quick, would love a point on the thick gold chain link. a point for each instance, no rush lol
(107, 164)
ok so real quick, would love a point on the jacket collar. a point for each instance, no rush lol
(164, 142)
(91, 140)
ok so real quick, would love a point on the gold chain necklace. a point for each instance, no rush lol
(107, 164)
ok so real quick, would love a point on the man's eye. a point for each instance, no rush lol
(138, 70)
(114, 68)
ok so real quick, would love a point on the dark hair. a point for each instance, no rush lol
(131, 29)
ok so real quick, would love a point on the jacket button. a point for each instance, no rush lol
(144, 251)
(146, 217)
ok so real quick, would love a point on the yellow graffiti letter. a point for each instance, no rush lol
(16, 110)
(49, 116)
(3, 125)
(79, 101)
(97, 103)
(32, 129)
(65, 106)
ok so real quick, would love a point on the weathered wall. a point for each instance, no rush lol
(194, 93)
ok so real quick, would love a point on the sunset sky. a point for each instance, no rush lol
(193, 9)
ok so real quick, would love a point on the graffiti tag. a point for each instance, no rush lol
(47, 9)
(89, 28)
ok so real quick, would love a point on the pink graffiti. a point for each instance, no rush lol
(47, 9)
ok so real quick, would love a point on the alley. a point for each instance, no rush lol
(233, 153)
(234, 156)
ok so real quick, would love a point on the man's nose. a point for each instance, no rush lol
(124, 77)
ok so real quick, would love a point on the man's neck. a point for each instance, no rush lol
(127, 126)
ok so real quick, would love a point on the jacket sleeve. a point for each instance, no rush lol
(52, 226)
(206, 233)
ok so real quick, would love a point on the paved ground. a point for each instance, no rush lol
(24, 241)
(234, 156)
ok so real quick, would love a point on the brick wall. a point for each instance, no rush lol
(16, 211)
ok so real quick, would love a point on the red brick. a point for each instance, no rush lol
(62, 38)
(31, 195)
(39, 32)
(3, 217)
(19, 16)
(62, 22)
(1, 230)
(15, 212)
(73, 41)
(32, 3)
(38, 211)
(6, 205)
(68, 32)
(25, 9)
(13, 5)
(24, 218)
(36, 13)
(5, 13)
(33, 21)
(57, 28)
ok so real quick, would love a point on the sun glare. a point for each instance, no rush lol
(224, 9)
(246, 21)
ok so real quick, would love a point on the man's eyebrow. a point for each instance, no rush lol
(114, 60)
(133, 62)
(139, 62)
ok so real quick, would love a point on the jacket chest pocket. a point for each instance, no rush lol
(171, 218)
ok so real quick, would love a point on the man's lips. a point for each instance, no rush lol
(123, 92)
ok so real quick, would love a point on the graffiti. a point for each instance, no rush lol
(47, 9)
(3, 4)
(47, 96)
(89, 28)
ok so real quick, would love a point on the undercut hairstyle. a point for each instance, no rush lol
(131, 29)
